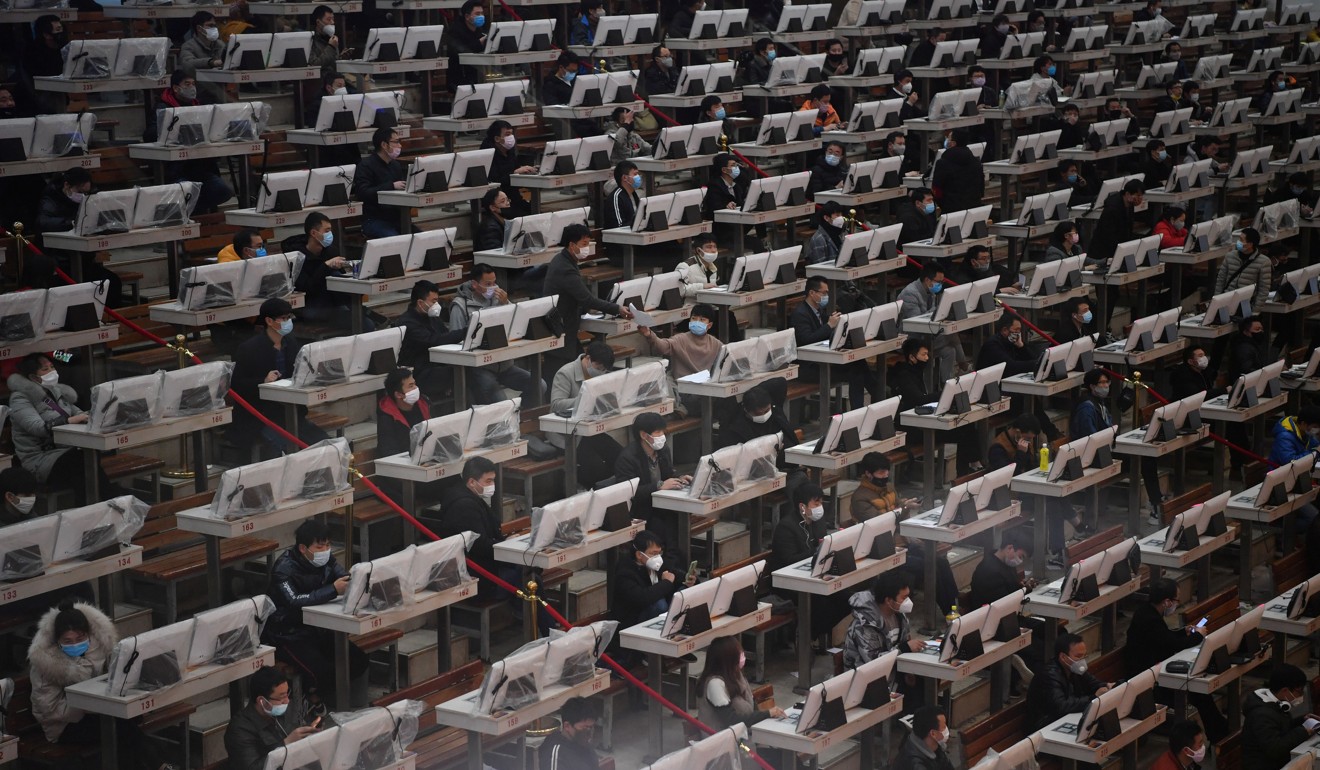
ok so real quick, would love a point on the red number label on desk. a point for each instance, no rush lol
(5, 353)
(465, 592)
(512, 721)
(87, 163)
(257, 664)
(87, 88)
(247, 526)
(209, 318)
(103, 336)
(376, 622)
(382, 288)
(516, 452)
(322, 395)
(279, 221)
(487, 359)
(561, 558)
(243, 77)
(217, 419)
(124, 561)
(10, 595)
(102, 243)
(147, 704)
(182, 154)
(121, 440)
(340, 501)
(598, 685)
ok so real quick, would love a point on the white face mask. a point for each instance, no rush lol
(24, 503)
(1014, 561)
(488, 492)
(708, 256)
(508, 142)
(658, 442)
(907, 88)
(412, 396)
(906, 606)
(434, 310)
(654, 563)
(817, 513)
(321, 558)
(837, 222)
(1198, 756)
(212, 33)
(1202, 362)
(762, 419)
(50, 379)
(944, 738)
(341, 91)
(328, 30)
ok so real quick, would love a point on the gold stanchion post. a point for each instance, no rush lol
(184, 471)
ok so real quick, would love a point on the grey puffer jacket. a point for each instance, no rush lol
(51, 670)
(33, 414)
(867, 639)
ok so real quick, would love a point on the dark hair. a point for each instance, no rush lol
(568, 59)
(875, 461)
(31, 362)
(902, 74)
(314, 221)
(243, 239)
(382, 136)
(623, 167)
(1251, 235)
(76, 177)
(264, 682)
(921, 193)
(574, 233)
(601, 353)
(704, 310)
(816, 283)
(710, 101)
(761, 44)
(1027, 422)
(578, 709)
(330, 77)
(842, 148)
(1246, 322)
(655, 52)
(976, 251)
(913, 344)
(1154, 144)
(1172, 84)
(647, 422)
(1286, 675)
(201, 17)
(721, 160)
(975, 68)
(43, 24)
(311, 532)
(479, 270)
(1041, 62)
(819, 91)
(181, 74)
(1005, 322)
(1161, 590)
(70, 618)
(1298, 177)
(18, 480)
(1018, 539)
(496, 128)
(889, 584)
(1093, 376)
(421, 289)
(1134, 187)
(722, 664)
(488, 199)
(394, 380)
(1066, 641)
(962, 136)
(468, 5)
(618, 113)
(832, 42)
(924, 720)
(318, 12)
(1061, 229)
(1173, 212)
(476, 467)
(930, 270)
(894, 136)
(1070, 107)
(1310, 413)
(756, 399)
(934, 32)
(591, 5)
(1182, 735)
(645, 539)
(807, 492)
(1076, 303)
(275, 307)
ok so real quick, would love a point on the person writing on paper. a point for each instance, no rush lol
(1150, 641)
(690, 352)
(487, 383)
(649, 459)
(265, 723)
(1186, 747)
(307, 574)
(927, 746)
(376, 173)
(1063, 686)
(699, 271)
(726, 697)
(596, 454)
(569, 747)
(1272, 722)
(565, 279)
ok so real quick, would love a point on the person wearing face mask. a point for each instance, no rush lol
(1298, 186)
(924, 53)
(322, 257)
(1063, 686)
(203, 49)
(1063, 242)
(466, 35)
(995, 35)
(495, 211)
(1194, 376)
(400, 407)
(1074, 177)
(880, 624)
(649, 458)
(1045, 69)
(920, 297)
(1151, 12)
(182, 92)
(644, 584)
(1273, 723)
(1174, 98)
(628, 143)
(836, 60)
(701, 270)
(1072, 132)
(680, 24)
(569, 747)
(727, 189)
(333, 85)
(875, 494)
(918, 218)
(999, 573)
(926, 748)
(814, 321)
(823, 248)
(692, 351)
(268, 356)
(595, 454)
(557, 88)
(1172, 227)
(757, 70)
(905, 88)
(18, 495)
(307, 574)
(380, 172)
(660, 76)
(325, 43)
(978, 264)
(424, 328)
(38, 402)
(465, 507)
(796, 538)
(247, 244)
(1187, 747)
(44, 58)
(265, 723)
(1115, 109)
(1078, 320)
(583, 29)
(1156, 166)
(1246, 266)
(758, 416)
(486, 384)
(1091, 413)
(827, 118)
(564, 277)
(726, 697)
(1275, 83)
(1015, 445)
(896, 147)
(829, 170)
(621, 202)
(505, 163)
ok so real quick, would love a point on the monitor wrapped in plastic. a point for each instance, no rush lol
(142, 57)
(374, 737)
(97, 530)
(439, 440)
(315, 752)
(323, 363)
(108, 211)
(493, 425)
(561, 523)
(152, 660)
(56, 136)
(208, 286)
(599, 397)
(165, 205)
(317, 471)
(513, 682)
(130, 402)
(238, 122)
(571, 655)
(249, 490)
(721, 751)
(195, 389)
(270, 276)
(713, 476)
(441, 564)
(381, 584)
(230, 633)
(21, 315)
(28, 548)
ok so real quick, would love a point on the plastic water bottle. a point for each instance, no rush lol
(1044, 459)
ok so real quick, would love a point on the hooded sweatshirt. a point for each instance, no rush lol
(467, 301)
(868, 637)
(1269, 733)
(34, 411)
(51, 670)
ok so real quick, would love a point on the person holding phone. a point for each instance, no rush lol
(265, 723)
(1151, 641)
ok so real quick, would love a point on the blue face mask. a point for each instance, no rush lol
(946, 144)
(929, 208)
(697, 327)
(479, 21)
(770, 55)
(1087, 316)
(824, 301)
(735, 172)
(76, 650)
(1282, 84)
(936, 288)
(637, 181)
(1237, 245)
(569, 75)
(286, 326)
(1164, 155)
(328, 238)
(261, 251)
(720, 114)
(833, 160)
(1052, 69)
(1072, 179)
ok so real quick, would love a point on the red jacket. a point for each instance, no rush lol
(1169, 237)
(392, 428)
(1168, 761)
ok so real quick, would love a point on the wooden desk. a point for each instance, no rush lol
(572, 429)
(1034, 483)
(1113, 353)
(525, 348)
(820, 353)
(271, 219)
(66, 573)
(1154, 556)
(924, 526)
(924, 323)
(926, 664)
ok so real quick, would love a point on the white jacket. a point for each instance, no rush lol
(51, 670)
(695, 274)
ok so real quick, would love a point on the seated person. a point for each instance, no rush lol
(827, 241)
(918, 218)
(1276, 82)
(1173, 98)
(919, 298)
(1150, 641)
(711, 110)
(247, 244)
(466, 508)
(896, 147)
(267, 356)
(569, 747)
(1071, 177)
(1078, 321)
(1299, 187)
(622, 202)
(557, 88)
(725, 191)
(1044, 69)
(1201, 113)
(924, 53)
(795, 537)
(758, 416)
(1272, 725)
(726, 697)
(757, 71)
(265, 723)
(1294, 438)
(496, 209)
(689, 352)
(1172, 227)
(927, 746)
(644, 584)
(400, 407)
(583, 32)
(699, 271)
(322, 259)
(660, 76)
(333, 84)
(836, 59)
(1015, 444)
(18, 495)
(1063, 242)
(308, 575)
(1151, 12)
(627, 142)
(1008, 346)
(908, 376)
(1115, 109)
(182, 92)
(827, 118)
(1194, 376)
(487, 383)
(202, 49)
(1156, 164)
(378, 172)
(596, 455)
(500, 138)
(995, 35)
(978, 264)
(874, 494)
(812, 321)
(424, 328)
(1186, 747)
(829, 170)
(879, 624)
(680, 25)
(59, 205)
(998, 573)
(903, 89)
(1072, 132)
(1062, 686)
(649, 459)
(958, 175)
(38, 402)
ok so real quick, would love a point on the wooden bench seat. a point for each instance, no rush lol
(189, 563)
(1219, 610)
(124, 465)
(1289, 571)
(333, 424)
(528, 469)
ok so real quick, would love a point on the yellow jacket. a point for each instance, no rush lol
(227, 254)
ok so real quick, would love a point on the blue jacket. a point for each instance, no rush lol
(1089, 416)
(1290, 442)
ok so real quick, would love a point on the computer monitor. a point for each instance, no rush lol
(529, 318)
(75, 307)
(1090, 85)
(645, 385)
(874, 62)
(317, 471)
(1283, 481)
(376, 352)
(1120, 564)
(1187, 528)
(314, 751)
(29, 548)
(560, 524)
(441, 564)
(238, 122)
(249, 490)
(957, 103)
(95, 531)
(384, 257)
(1213, 67)
(784, 127)
(281, 191)
(528, 234)
(872, 682)
(141, 58)
(570, 658)
(652, 213)
(671, 144)
(537, 34)
(430, 249)
(183, 126)
(493, 425)
(1148, 332)
(165, 205)
(89, 59)
(1023, 46)
(704, 79)
(1198, 25)
(195, 389)
(1248, 19)
(1251, 387)
(1302, 603)
(962, 640)
(823, 707)
(339, 113)
(208, 286)
(110, 211)
(641, 28)
(1001, 621)
(990, 492)
(879, 13)
(379, 585)
(1229, 113)
(370, 739)
(720, 751)
(664, 291)
(1131, 255)
(381, 109)
(230, 633)
(329, 186)
(290, 49)
(422, 42)
(1180, 417)
(150, 660)
(684, 208)
(952, 53)
(713, 476)
(1283, 103)
(504, 37)
(1264, 59)
(439, 440)
(249, 51)
(1071, 459)
(609, 507)
(430, 173)
(690, 610)
(735, 593)
(322, 363)
(758, 458)
(124, 403)
(1086, 38)
(384, 44)
(488, 329)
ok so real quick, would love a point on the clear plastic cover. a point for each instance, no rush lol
(165, 205)
(126, 403)
(195, 389)
(758, 459)
(442, 564)
(721, 751)
(152, 660)
(374, 737)
(439, 440)
(4, 416)
(229, 633)
(63, 134)
(315, 751)
(515, 681)
(317, 471)
(142, 57)
(381, 584)
(324, 362)
(238, 122)
(776, 351)
(494, 425)
(559, 523)
(208, 286)
(28, 548)
(736, 362)
(89, 59)
(248, 490)
(86, 532)
(572, 655)
(714, 476)
(270, 276)
(21, 314)
(645, 385)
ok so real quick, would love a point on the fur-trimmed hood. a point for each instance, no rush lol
(57, 668)
(37, 393)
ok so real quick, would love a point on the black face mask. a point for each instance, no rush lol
(880, 482)
(1115, 114)
(8, 113)
(506, 212)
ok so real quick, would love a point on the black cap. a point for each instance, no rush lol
(274, 308)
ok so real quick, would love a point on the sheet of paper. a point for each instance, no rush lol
(642, 317)
(697, 377)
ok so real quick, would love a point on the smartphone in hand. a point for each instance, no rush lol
(692, 571)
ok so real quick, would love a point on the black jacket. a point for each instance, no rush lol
(992, 580)
(554, 90)
(681, 24)
(719, 195)
(740, 429)
(1269, 734)
(1156, 172)
(908, 382)
(394, 425)
(1055, 692)
(634, 592)
(923, 54)
(461, 40)
(1070, 134)
(998, 350)
(913, 757)
(1150, 640)
(658, 80)
(825, 177)
(57, 211)
(374, 176)
(958, 180)
(421, 333)
(489, 235)
(1247, 355)
(311, 279)
(461, 511)
(296, 583)
(632, 463)
(962, 272)
(1114, 227)
(1185, 381)
(252, 735)
(253, 360)
(564, 278)
(808, 325)
(794, 539)
(917, 225)
(757, 71)
(560, 753)
(620, 208)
